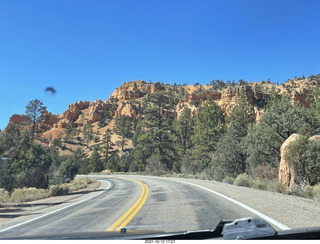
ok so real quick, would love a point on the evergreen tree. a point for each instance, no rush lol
(70, 132)
(209, 126)
(87, 132)
(230, 157)
(122, 127)
(34, 111)
(184, 129)
(155, 133)
(314, 109)
(312, 162)
(95, 163)
(125, 162)
(265, 138)
(107, 145)
(28, 161)
(113, 162)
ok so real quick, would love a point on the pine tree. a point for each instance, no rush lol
(87, 132)
(70, 132)
(209, 126)
(230, 157)
(95, 163)
(184, 129)
(122, 127)
(155, 136)
(34, 111)
(279, 121)
(107, 145)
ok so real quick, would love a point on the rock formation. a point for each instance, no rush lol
(74, 110)
(20, 119)
(125, 101)
(286, 173)
(125, 109)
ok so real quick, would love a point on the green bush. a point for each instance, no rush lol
(4, 196)
(296, 190)
(205, 175)
(308, 192)
(316, 192)
(228, 180)
(275, 186)
(242, 180)
(58, 190)
(259, 184)
(76, 185)
(63, 189)
(20, 195)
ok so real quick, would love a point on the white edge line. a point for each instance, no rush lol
(39, 217)
(270, 220)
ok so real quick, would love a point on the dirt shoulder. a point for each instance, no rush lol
(10, 212)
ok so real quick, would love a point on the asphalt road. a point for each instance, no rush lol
(149, 203)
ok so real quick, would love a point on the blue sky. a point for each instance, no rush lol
(86, 49)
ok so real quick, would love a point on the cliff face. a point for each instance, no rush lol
(134, 89)
(126, 99)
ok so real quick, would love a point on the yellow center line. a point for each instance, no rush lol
(125, 219)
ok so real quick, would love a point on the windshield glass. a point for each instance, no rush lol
(164, 116)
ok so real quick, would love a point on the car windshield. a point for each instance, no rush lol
(158, 116)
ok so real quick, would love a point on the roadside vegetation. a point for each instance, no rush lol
(203, 143)
(20, 195)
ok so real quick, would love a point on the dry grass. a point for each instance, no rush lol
(21, 195)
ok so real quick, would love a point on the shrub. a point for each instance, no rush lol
(76, 185)
(28, 194)
(155, 166)
(4, 196)
(96, 139)
(206, 174)
(316, 192)
(58, 190)
(275, 186)
(259, 184)
(63, 189)
(296, 190)
(228, 180)
(265, 172)
(308, 192)
(242, 180)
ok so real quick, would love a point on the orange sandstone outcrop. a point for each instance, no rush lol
(19, 119)
(74, 110)
(286, 173)
(125, 109)
(135, 89)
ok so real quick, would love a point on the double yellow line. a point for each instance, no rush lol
(125, 219)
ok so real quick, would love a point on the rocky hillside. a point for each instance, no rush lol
(127, 99)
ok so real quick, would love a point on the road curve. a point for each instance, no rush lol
(145, 203)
